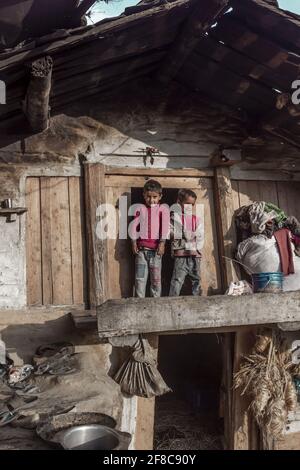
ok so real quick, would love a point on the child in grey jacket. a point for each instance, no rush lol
(186, 242)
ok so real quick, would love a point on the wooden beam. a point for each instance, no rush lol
(36, 104)
(83, 8)
(134, 315)
(239, 429)
(158, 172)
(97, 259)
(224, 210)
(244, 436)
(225, 226)
(283, 134)
(167, 13)
(199, 21)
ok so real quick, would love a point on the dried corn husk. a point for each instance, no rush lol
(266, 377)
(262, 342)
(276, 419)
(291, 396)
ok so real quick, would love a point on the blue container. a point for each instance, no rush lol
(267, 282)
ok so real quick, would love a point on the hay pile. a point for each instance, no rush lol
(177, 427)
(266, 376)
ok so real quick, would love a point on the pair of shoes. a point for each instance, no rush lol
(19, 374)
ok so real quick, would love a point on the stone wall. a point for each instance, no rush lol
(12, 246)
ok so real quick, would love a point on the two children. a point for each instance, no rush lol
(151, 228)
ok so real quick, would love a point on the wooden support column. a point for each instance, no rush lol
(244, 429)
(144, 431)
(227, 241)
(36, 103)
(97, 258)
(239, 427)
(199, 21)
(225, 224)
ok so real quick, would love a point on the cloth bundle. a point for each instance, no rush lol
(267, 238)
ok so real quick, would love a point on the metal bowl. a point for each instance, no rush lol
(51, 427)
(90, 437)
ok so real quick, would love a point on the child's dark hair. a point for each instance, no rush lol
(183, 194)
(154, 186)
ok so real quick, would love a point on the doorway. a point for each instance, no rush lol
(120, 258)
(169, 197)
(189, 417)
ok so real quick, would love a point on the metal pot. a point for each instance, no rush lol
(90, 437)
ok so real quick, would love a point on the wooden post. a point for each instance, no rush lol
(144, 431)
(36, 103)
(239, 428)
(226, 240)
(244, 429)
(97, 259)
(225, 224)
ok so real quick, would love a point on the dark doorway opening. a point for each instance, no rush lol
(170, 198)
(189, 417)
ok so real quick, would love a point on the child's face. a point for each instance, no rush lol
(188, 204)
(151, 198)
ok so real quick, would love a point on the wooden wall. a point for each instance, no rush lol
(55, 241)
(284, 194)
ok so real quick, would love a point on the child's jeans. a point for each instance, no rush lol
(148, 261)
(185, 266)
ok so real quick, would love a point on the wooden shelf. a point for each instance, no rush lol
(12, 210)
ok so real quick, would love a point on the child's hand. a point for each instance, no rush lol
(161, 249)
(135, 249)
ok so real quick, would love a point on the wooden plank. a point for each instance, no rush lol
(97, 259)
(129, 171)
(173, 11)
(100, 74)
(251, 191)
(224, 208)
(61, 242)
(227, 379)
(199, 21)
(33, 242)
(135, 315)
(144, 431)
(288, 442)
(210, 272)
(248, 192)
(224, 204)
(263, 174)
(121, 261)
(77, 241)
(288, 196)
(166, 182)
(235, 195)
(242, 425)
(46, 241)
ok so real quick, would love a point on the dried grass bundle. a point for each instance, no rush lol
(263, 342)
(291, 396)
(266, 376)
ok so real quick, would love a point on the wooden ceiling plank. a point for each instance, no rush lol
(203, 16)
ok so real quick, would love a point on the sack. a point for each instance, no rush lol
(259, 254)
